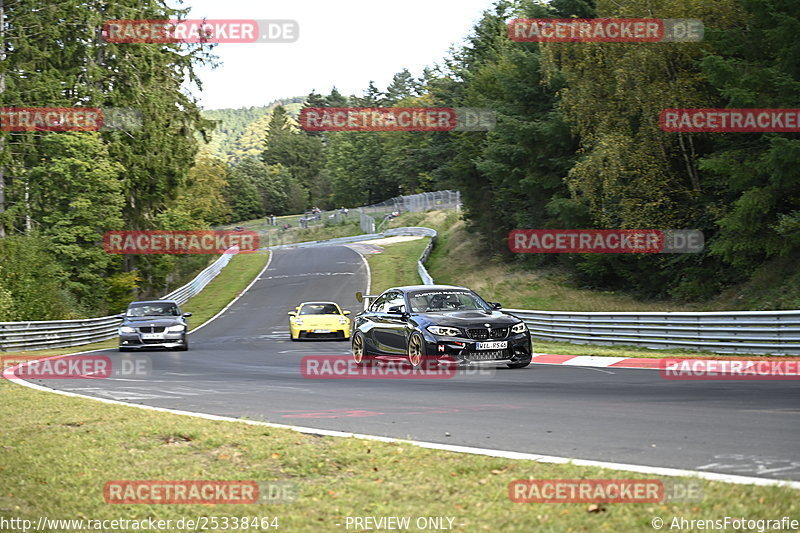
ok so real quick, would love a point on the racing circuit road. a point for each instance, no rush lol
(243, 365)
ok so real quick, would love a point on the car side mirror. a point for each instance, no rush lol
(187, 314)
(495, 305)
(345, 312)
(397, 310)
(292, 313)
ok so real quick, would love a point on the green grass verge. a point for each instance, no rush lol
(59, 452)
(396, 266)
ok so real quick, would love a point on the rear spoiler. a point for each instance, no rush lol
(360, 296)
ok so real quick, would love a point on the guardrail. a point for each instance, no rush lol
(192, 288)
(426, 232)
(727, 332)
(40, 335)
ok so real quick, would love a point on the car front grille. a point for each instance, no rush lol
(152, 329)
(330, 335)
(488, 355)
(488, 333)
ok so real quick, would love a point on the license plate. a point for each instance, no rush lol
(492, 345)
(320, 331)
(152, 336)
(488, 356)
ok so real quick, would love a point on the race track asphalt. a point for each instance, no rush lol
(244, 365)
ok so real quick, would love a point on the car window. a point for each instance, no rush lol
(440, 301)
(319, 309)
(377, 304)
(394, 299)
(153, 310)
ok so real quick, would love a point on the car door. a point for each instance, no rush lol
(391, 332)
(369, 324)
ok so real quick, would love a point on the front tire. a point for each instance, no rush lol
(416, 349)
(359, 349)
(185, 346)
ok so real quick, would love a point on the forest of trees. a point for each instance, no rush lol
(577, 145)
(60, 191)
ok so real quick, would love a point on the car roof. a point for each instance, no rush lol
(154, 302)
(317, 303)
(412, 288)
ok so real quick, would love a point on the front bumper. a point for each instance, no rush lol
(464, 350)
(135, 341)
(340, 334)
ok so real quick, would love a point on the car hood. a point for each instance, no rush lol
(153, 321)
(477, 319)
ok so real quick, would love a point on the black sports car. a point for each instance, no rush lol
(439, 323)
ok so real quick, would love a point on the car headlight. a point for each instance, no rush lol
(444, 331)
(176, 329)
(298, 321)
(127, 329)
(519, 328)
(343, 321)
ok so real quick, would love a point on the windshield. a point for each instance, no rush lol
(153, 310)
(442, 301)
(319, 309)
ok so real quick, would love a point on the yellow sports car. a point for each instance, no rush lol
(319, 320)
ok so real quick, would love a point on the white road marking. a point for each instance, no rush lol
(593, 360)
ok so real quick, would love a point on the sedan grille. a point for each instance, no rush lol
(489, 333)
(152, 329)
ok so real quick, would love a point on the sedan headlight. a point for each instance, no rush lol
(176, 329)
(127, 329)
(444, 331)
(519, 328)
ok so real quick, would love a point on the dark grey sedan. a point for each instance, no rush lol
(153, 324)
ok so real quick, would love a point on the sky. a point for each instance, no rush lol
(345, 43)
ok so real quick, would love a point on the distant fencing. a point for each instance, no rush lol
(41, 335)
(415, 203)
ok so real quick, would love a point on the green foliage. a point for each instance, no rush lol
(202, 195)
(32, 284)
(74, 198)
